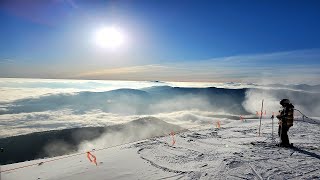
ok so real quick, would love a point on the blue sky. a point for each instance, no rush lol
(238, 40)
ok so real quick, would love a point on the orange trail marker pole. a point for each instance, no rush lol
(218, 124)
(89, 155)
(261, 117)
(173, 140)
(241, 118)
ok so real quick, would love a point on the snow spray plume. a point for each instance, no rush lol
(307, 102)
(135, 130)
(57, 148)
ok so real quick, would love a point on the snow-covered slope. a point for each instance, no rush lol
(66, 141)
(235, 151)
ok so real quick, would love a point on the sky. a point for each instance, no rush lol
(211, 41)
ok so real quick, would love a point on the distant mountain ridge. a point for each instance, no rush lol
(304, 87)
(153, 100)
(135, 101)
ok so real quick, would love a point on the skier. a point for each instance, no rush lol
(285, 122)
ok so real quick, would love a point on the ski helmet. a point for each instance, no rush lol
(284, 101)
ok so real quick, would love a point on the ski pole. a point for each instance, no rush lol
(280, 133)
(281, 125)
(272, 117)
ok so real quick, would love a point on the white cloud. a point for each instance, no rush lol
(22, 123)
(12, 89)
(300, 66)
(6, 61)
(12, 94)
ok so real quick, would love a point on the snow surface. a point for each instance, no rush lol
(235, 151)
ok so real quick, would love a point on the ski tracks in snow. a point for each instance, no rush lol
(234, 152)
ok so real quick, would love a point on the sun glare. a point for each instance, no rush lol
(109, 37)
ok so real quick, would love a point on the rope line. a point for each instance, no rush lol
(302, 114)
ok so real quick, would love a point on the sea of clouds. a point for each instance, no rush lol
(33, 105)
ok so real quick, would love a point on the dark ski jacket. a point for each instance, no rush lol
(286, 115)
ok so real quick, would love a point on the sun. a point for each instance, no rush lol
(109, 37)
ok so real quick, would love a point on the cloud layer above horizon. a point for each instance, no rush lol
(301, 66)
(290, 67)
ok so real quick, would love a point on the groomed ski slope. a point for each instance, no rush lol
(234, 151)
